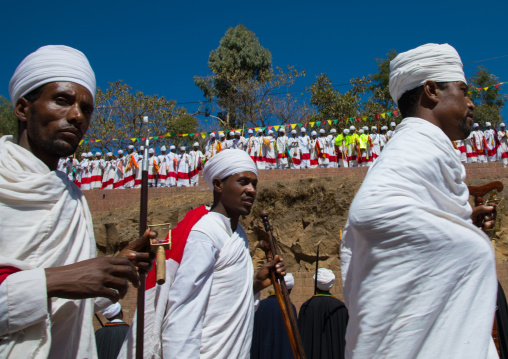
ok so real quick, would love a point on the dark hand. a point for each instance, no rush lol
(484, 217)
(98, 277)
(132, 251)
(262, 277)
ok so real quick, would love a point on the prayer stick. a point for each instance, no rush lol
(282, 294)
(143, 225)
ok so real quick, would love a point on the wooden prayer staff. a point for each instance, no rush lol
(281, 291)
(479, 192)
(159, 245)
(143, 225)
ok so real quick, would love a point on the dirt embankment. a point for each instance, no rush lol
(302, 213)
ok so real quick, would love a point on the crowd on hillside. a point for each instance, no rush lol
(351, 148)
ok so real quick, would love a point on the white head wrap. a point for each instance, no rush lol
(141, 148)
(384, 128)
(313, 133)
(112, 310)
(476, 125)
(410, 69)
(303, 129)
(109, 154)
(51, 63)
(163, 148)
(172, 147)
(346, 131)
(290, 280)
(120, 152)
(270, 132)
(195, 144)
(322, 130)
(502, 125)
(222, 134)
(227, 163)
(365, 128)
(360, 130)
(250, 131)
(89, 154)
(260, 130)
(281, 129)
(212, 135)
(238, 133)
(182, 148)
(333, 130)
(393, 124)
(293, 132)
(150, 150)
(373, 128)
(487, 124)
(130, 147)
(98, 154)
(83, 154)
(352, 128)
(325, 279)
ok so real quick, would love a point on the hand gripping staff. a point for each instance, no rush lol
(281, 291)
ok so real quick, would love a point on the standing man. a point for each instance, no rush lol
(383, 139)
(260, 152)
(196, 164)
(352, 148)
(129, 172)
(212, 147)
(406, 282)
(503, 146)
(391, 131)
(324, 156)
(97, 166)
(271, 156)
(119, 170)
(376, 148)
(110, 337)
(206, 307)
(239, 141)
(86, 175)
(251, 145)
(49, 272)
(153, 168)
(322, 321)
(294, 150)
(491, 141)
(163, 169)
(171, 161)
(341, 149)
(314, 150)
(479, 143)
(282, 149)
(304, 146)
(183, 168)
(108, 180)
(332, 154)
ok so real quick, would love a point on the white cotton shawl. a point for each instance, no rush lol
(44, 222)
(419, 278)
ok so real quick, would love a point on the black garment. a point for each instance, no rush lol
(110, 338)
(270, 339)
(322, 322)
(502, 322)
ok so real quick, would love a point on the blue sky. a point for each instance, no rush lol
(158, 46)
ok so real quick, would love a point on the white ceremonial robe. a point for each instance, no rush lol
(271, 156)
(479, 144)
(129, 170)
(471, 155)
(330, 150)
(294, 150)
(138, 175)
(206, 309)
(313, 153)
(305, 147)
(324, 159)
(503, 146)
(44, 222)
(183, 168)
(282, 157)
(212, 148)
(490, 139)
(419, 278)
(153, 170)
(196, 164)
(376, 148)
(108, 180)
(260, 152)
(163, 172)
(251, 147)
(119, 173)
(462, 148)
(171, 163)
(96, 176)
(382, 141)
(86, 175)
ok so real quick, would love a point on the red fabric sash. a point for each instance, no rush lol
(7, 271)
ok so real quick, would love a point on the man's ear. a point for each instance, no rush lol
(430, 92)
(217, 185)
(22, 109)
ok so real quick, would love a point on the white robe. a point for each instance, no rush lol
(171, 163)
(183, 168)
(208, 305)
(282, 158)
(44, 222)
(419, 278)
(108, 179)
(196, 164)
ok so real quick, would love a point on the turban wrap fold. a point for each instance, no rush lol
(290, 280)
(51, 63)
(325, 279)
(112, 310)
(227, 163)
(410, 69)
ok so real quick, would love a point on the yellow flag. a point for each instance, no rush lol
(167, 135)
(311, 124)
(80, 142)
(98, 140)
(256, 129)
(133, 139)
(329, 122)
(185, 134)
(276, 128)
(486, 88)
(364, 118)
(293, 125)
(383, 115)
(203, 134)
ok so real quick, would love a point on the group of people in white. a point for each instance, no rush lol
(169, 169)
(489, 145)
(351, 148)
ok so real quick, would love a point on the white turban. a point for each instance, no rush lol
(112, 310)
(98, 154)
(120, 152)
(89, 154)
(270, 132)
(365, 128)
(163, 148)
(325, 279)
(502, 125)
(281, 129)
(222, 134)
(352, 128)
(393, 124)
(373, 128)
(51, 63)
(384, 128)
(303, 129)
(182, 148)
(130, 147)
(227, 163)
(333, 130)
(290, 280)
(212, 135)
(83, 154)
(196, 144)
(238, 133)
(313, 133)
(109, 154)
(476, 125)
(360, 130)
(487, 124)
(150, 150)
(260, 130)
(410, 69)
(293, 132)
(346, 131)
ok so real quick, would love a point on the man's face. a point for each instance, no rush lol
(59, 118)
(239, 193)
(196, 148)
(455, 111)
(314, 137)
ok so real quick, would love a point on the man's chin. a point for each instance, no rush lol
(62, 148)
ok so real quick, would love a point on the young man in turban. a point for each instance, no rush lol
(322, 320)
(419, 277)
(206, 307)
(48, 269)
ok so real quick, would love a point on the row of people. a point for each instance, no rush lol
(484, 146)
(124, 171)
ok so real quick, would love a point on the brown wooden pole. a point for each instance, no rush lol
(143, 225)
(282, 294)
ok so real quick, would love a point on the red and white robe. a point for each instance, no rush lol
(196, 164)
(183, 167)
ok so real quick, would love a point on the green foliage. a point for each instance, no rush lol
(244, 89)
(8, 122)
(119, 115)
(488, 103)
(380, 80)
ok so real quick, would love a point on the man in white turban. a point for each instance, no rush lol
(110, 337)
(196, 163)
(419, 276)
(323, 319)
(206, 307)
(491, 140)
(48, 268)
